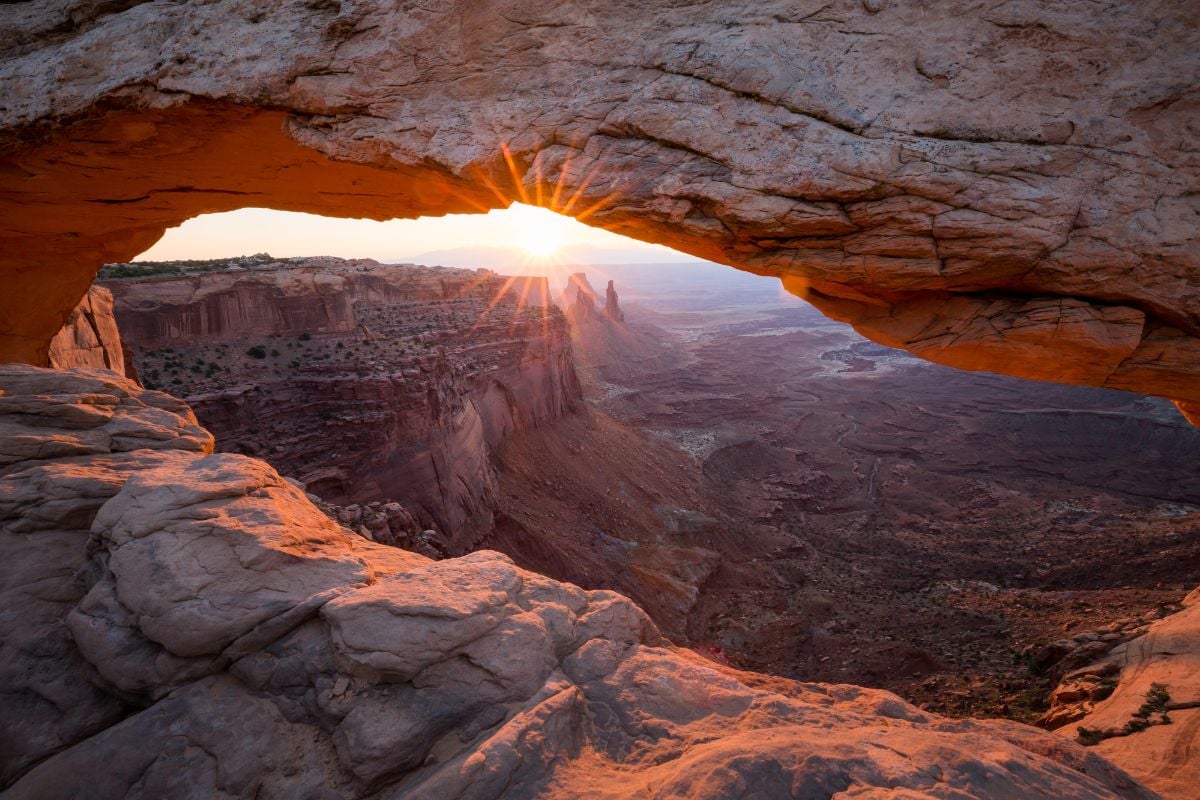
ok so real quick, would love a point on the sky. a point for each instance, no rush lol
(523, 232)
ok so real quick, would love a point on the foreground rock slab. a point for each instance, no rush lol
(224, 638)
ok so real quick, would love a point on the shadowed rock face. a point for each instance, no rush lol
(1005, 188)
(189, 625)
(1150, 723)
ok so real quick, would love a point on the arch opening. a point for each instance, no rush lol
(839, 445)
(104, 187)
(1009, 188)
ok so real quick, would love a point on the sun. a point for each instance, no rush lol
(538, 233)
(539, 244)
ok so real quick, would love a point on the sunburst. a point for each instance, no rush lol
(537, 232)
(541, 224)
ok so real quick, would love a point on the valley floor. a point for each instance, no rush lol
(878, 520)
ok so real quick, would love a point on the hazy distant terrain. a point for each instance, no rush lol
(934, 522)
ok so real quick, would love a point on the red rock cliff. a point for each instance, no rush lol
(366, 381)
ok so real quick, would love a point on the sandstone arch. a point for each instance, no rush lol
(1008, 188)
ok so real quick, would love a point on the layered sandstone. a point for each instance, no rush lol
(578, 298)
(1008, 188)
(365, 381)
(225, 638)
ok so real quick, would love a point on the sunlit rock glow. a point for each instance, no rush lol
(918, 171)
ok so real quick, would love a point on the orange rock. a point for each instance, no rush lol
(90, 337)
(768, 146)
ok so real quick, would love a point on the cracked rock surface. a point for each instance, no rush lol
(1154, 741)
(1008, 187)
(179, 624)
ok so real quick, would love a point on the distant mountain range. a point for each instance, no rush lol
(511, 259)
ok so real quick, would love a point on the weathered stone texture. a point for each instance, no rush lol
(882, 153)
(373, 380)
(215, 635)
(1153, 741)
(90, 338)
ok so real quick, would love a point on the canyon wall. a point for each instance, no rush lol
(365, 381)
(288, 297)
(188, 625)
(1007, 188)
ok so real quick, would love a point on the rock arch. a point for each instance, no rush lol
(1010, 188)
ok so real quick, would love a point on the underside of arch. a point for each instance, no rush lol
(1054, 238)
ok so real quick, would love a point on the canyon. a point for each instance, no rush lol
(452, 393)
(892, 523)
(364, 381)
(998, 188)
(864, 517)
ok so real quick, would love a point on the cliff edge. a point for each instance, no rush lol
(189, 625)
(365, 381)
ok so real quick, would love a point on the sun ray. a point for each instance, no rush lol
(516, 178)
(503, 290)
(483, 178)
(479, 207)
(584, 184)
(476, 282)
(544, 289)
(516, 320)
(607, 200)
(559, 184)
(537, 180)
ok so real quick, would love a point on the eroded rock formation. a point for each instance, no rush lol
(90, 338)
(224, 638)
(1008, 188)
(578, 299)
(1139, 700)
(612, 306)
(365, 381)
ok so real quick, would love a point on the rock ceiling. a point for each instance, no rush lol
(1010, 188)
